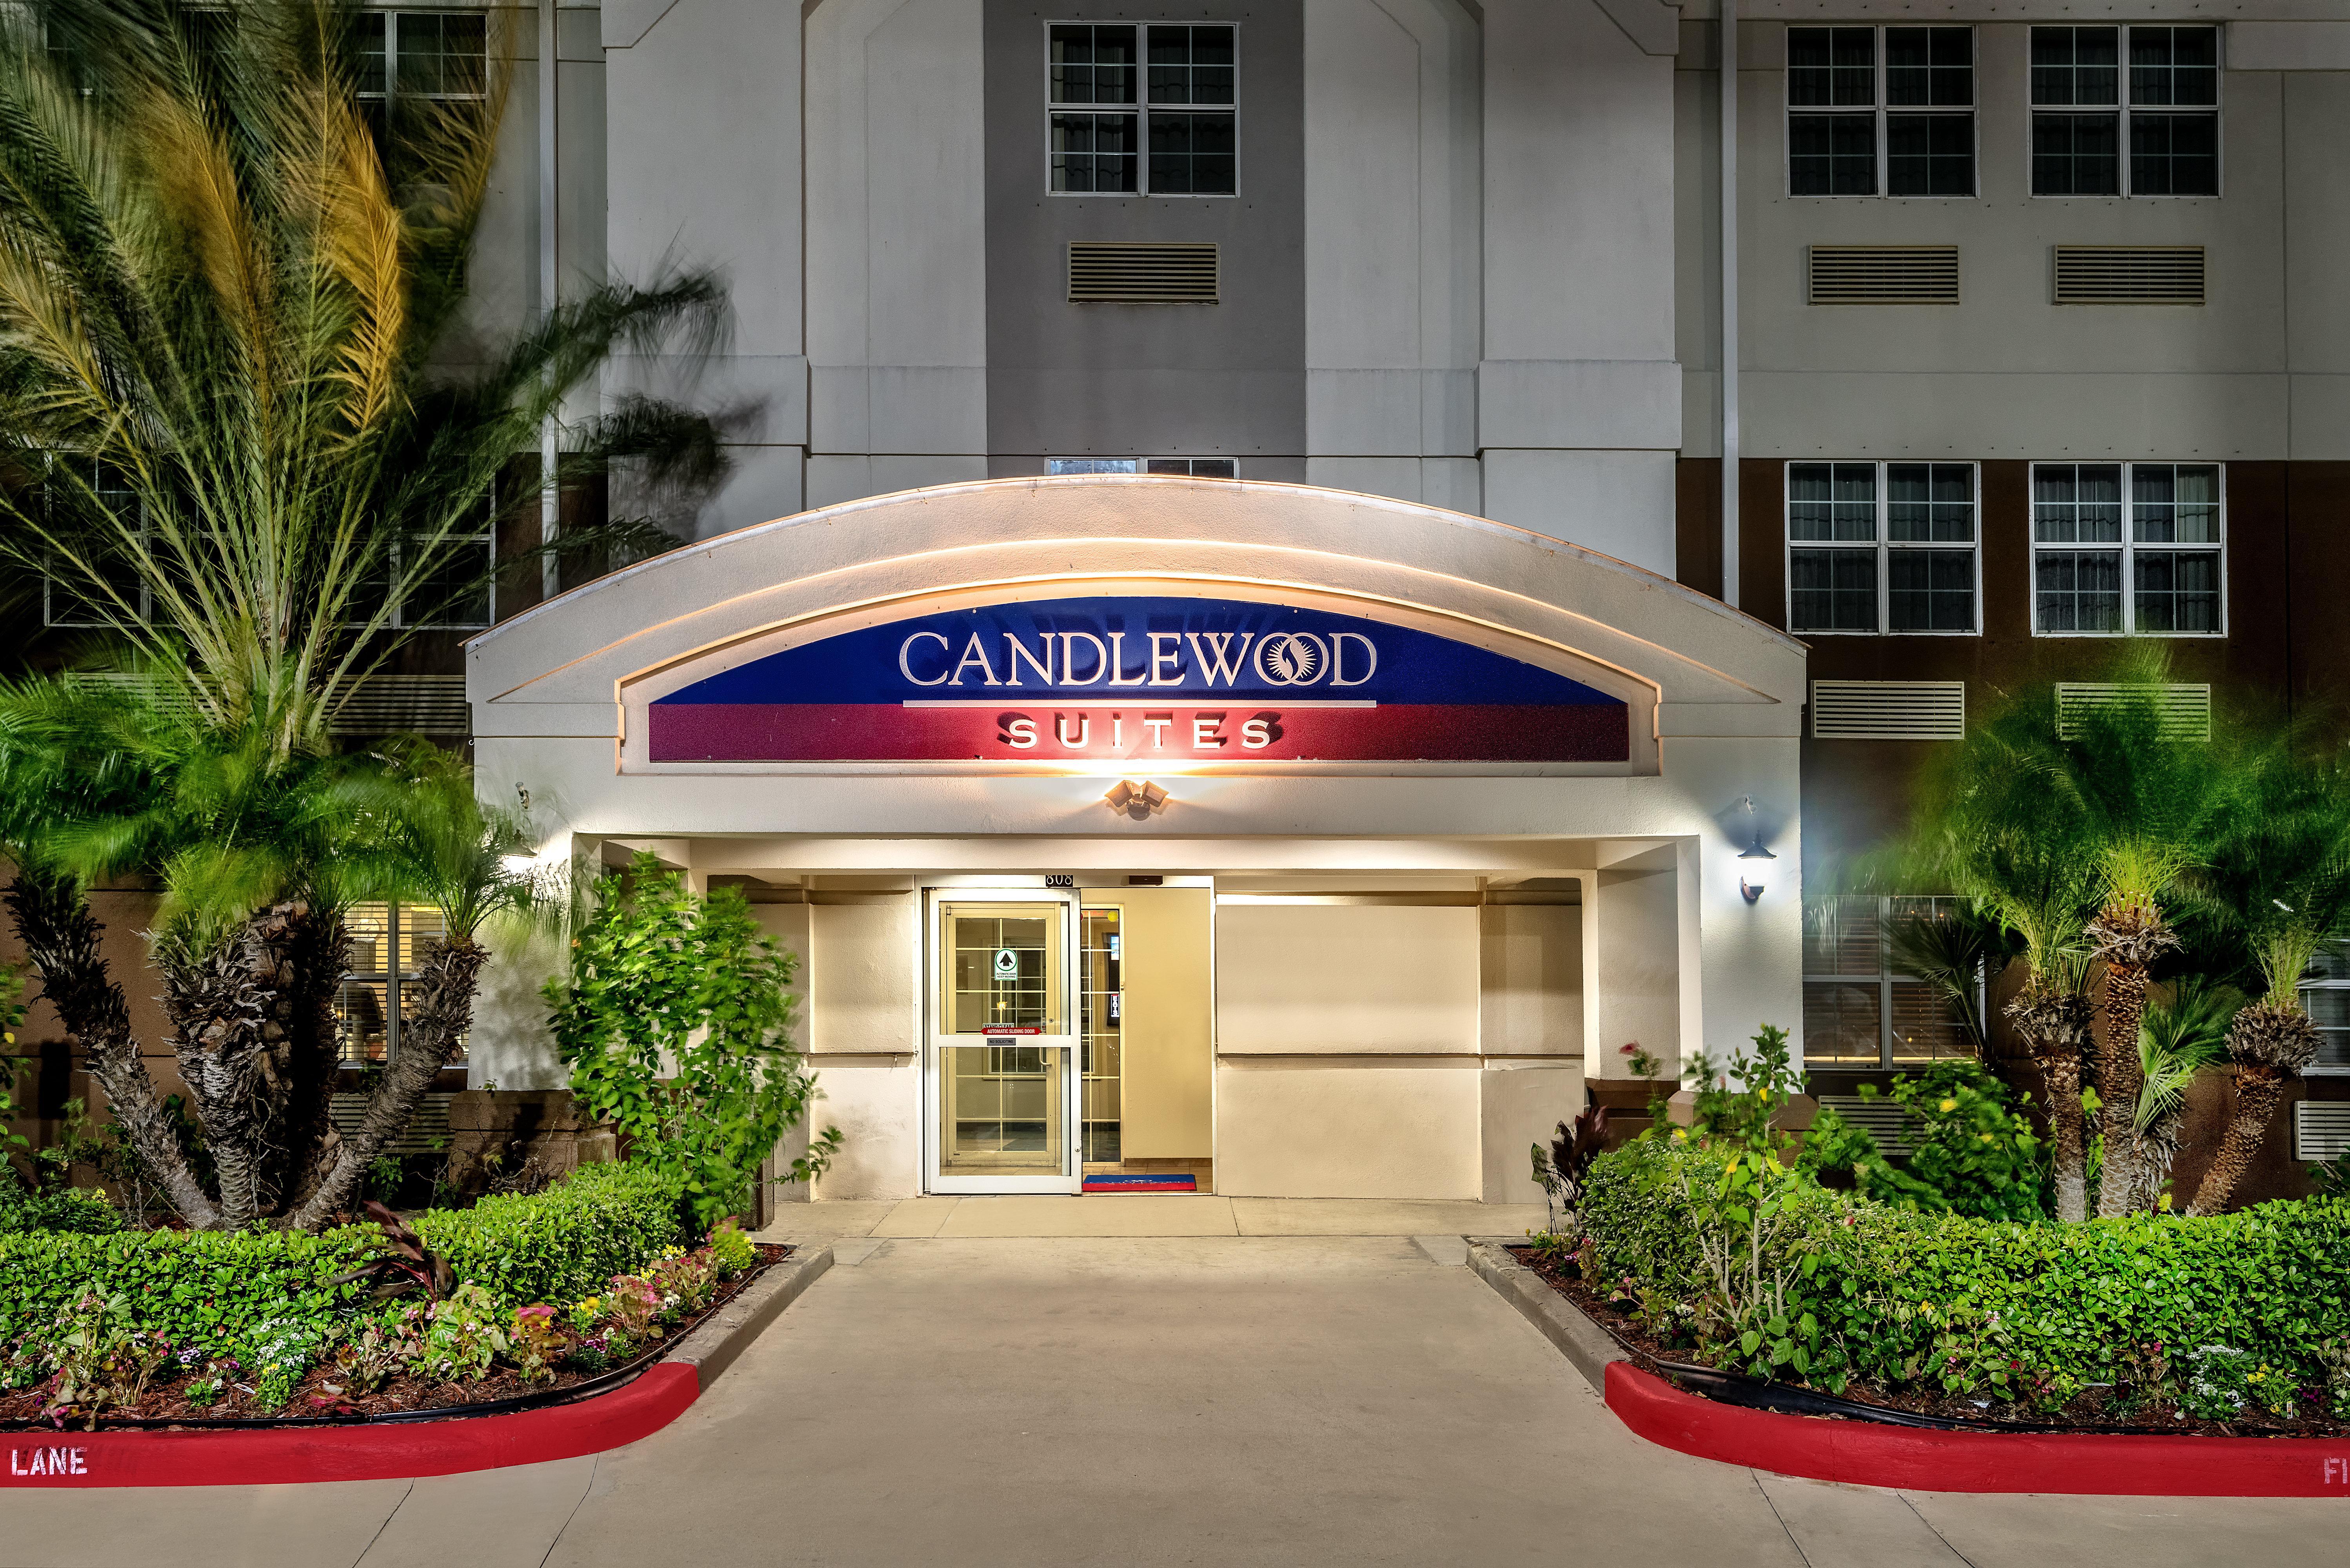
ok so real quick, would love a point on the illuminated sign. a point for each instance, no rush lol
(1142, 679)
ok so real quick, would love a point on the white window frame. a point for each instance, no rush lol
(1884, 978)
(1142, 108)
(1882, 109)
(1883, 545)
(392, 25)
(2129, 545)
(2322, 982)
(2123, 109)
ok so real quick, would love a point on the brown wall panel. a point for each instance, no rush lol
(1697, 523)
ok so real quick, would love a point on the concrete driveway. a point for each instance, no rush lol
(1202, 1399)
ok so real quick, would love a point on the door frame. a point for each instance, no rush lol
(932, 960)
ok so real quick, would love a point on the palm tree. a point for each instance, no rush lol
(115, 781)
(2151, 795)
(2001, 821)
(2280, 876)
(426, 839)
(231, 428)
(2178, 1040)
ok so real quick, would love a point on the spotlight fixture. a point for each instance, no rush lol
(1138, 801)
(1752, 890)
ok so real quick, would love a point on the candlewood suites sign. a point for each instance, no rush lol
(1140, 679)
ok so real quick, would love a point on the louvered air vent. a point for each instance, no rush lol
(1108, 272)
(1884, 275)
(2130, 274)
(2321, 1130)
(2186, 710)
(379, 705)
(426, 1129)
(1881, 1119)
(400, 705)
(1889, 710)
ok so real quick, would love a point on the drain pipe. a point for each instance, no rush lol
(1727, 48)
(550, 283)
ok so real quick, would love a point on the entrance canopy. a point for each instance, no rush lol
(1376, 792)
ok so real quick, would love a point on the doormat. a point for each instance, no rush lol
(1108, 1183)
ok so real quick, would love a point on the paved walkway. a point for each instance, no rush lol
(1157, 1400)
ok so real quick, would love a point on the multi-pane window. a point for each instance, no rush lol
(2325, 997)
(2126, 111)
(69, 598)
(388, 942)
(1859, 1011)
(2128, 548)
(458, 591)
(1146, 110)
(1881, 547)
(1199, 467)
(1881, 111)
(418, 55)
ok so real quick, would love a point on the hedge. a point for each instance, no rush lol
(565, 1244)
(252, 1295)
(1904, 1299)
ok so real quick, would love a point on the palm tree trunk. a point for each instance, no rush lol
(2120, 1076)
(2259, 1089)
(61, 937)
(448, 976)
(2055, 1026)
(311, 1058)
(229, 1009)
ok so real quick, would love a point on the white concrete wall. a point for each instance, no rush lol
(1579, 394)
(1393, 128)
(1348, 1127)
(703, 142)
(897, 276)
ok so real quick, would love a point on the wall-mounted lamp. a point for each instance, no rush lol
(1138, 801)
(1752, 890)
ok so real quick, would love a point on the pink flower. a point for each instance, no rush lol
(1627, 1047)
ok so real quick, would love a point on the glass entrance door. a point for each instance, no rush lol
(1003, 1070)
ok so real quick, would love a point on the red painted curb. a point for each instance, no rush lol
(1863, 1453)
(215, 1458)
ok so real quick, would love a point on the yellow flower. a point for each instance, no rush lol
(1681, 1135)
(1949, 1106)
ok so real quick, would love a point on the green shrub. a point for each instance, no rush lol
(564, 1243)
(2029, 1312)
(209, 1293)
(79, 1210)
(675, 1017)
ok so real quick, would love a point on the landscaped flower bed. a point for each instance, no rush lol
(522, 1295)
(2230, 1325)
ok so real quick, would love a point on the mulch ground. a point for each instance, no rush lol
(167, 1403)
(2093, 1410)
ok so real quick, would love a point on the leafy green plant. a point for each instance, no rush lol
(733, 1251)
(1969, 1145)
(463, 1333)
(1560, 1170)
(536, 1342)
(675, 1019)
(2330, 1181)
(100, 1358)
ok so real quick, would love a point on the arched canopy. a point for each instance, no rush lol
(594, 661)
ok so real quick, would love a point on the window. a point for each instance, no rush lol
(2128, 548)
(1199, 467)
(2149, 129)
(385, 939)
(2325, 997)
(458, 592)
(433, 54)
(1143, 111)
(68, 597)
(1858, 1011)
(1879, 547)
(1881, 111)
